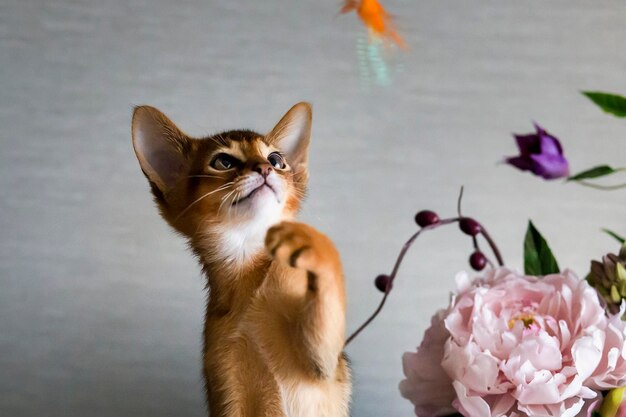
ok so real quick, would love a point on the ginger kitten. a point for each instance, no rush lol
(275, 318)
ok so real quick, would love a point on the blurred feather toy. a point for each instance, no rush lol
(376, 19)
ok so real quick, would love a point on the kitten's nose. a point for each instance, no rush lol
(264, 169)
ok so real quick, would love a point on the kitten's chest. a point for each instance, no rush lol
(314, 399)
(302, 400)
(238, 244)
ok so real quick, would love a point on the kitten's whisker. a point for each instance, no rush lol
(224, 199)
(221, 188)
(232, 201)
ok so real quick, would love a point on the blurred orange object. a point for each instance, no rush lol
(375, 18)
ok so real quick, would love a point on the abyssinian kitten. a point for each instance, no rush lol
(275, 318)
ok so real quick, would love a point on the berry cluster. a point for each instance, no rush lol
(428, 220)
(469, 226)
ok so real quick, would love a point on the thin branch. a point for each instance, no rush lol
(458, 202)
(396, 267)
(407, 245)
(492, 245)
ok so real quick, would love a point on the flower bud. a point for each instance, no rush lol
(382, 281)
(540, 153)
(608, 277)
(478, 261)
(470, 226)
(426, 218)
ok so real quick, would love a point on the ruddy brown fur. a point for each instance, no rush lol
(275, 318)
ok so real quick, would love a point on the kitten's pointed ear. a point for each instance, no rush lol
(161, 148)
(293, 134)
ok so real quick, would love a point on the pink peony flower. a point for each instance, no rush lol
(427, 385)
(514, 345)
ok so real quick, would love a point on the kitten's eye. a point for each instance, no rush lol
(276, 160)
(223, 162)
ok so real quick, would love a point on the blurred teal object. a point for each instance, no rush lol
(376, 61)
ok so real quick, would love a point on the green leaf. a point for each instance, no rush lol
(538, 258)
(614, 235)
(610, 103)
(595, 172)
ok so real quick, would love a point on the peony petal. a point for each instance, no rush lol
(473, 406)
(569, 408)
(502, 405)
(590, 407)
(541, 350)
(574, 388)
(565, 333)
(463, 282)
(427, 385)
(456, 359)
(543, 389)
(480, 376)
(586, 353)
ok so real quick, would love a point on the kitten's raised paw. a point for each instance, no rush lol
(299, 245)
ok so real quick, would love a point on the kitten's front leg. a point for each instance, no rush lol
(322, 317)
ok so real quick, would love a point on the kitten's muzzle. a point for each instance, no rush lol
(262, 182)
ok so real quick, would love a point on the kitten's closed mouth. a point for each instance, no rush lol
(254, 192)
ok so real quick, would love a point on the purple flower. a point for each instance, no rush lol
(540, 153)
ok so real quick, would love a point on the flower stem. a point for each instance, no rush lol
(392, 276)
(458, 202)
(493, 246)
(602, 187)
(405, 248)
(400, 257)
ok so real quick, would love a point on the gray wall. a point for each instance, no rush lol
(101, 305)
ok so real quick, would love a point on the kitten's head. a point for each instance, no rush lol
(231, 186)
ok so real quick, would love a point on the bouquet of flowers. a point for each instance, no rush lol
(540, 343)
(511, 344)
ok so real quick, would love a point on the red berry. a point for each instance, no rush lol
(426, 218)
(478, 261)
(470, 226)
(382, 281)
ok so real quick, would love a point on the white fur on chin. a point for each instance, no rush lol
(242, 237)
